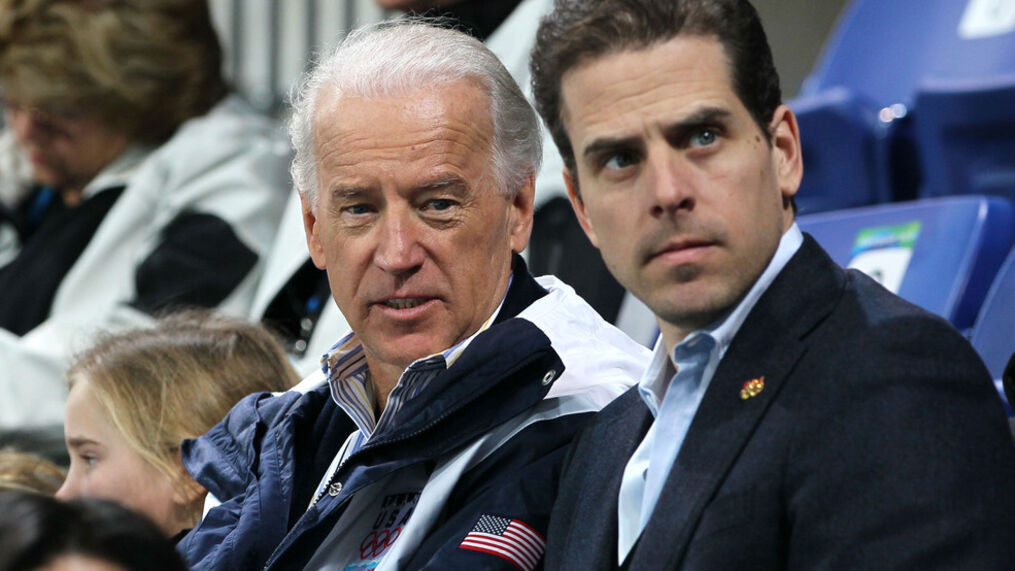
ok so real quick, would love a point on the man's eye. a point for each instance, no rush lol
(704, 138)
(619, 161)
(357, 209)
(439, 204)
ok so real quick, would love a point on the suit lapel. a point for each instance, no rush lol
(768, 345)
(592, 523)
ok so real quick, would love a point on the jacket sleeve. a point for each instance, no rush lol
(912, 465)
(515, 487)
(236, 462)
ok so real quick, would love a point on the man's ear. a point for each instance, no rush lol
(520, 215)
(310, 227)
(579, 206)
(789, 162)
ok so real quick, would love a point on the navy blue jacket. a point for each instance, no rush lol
(266, 459)
(877, 442)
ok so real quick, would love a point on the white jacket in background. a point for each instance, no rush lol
(231, 163)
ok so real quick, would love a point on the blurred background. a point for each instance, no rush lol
(269, 42)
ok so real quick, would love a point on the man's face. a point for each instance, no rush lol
(65, 151)
(409, 221)
(678, 187)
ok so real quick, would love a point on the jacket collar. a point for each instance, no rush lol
(500, 373)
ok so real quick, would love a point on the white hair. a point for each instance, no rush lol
(400, 57)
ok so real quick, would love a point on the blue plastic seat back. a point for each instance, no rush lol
(994, 333)
(883, 49)
(869, 62)
(941, 254)
(966, 134)
(838, 136)
(953, 138)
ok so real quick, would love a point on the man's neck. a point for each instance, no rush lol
(384, 378)
(674, 334)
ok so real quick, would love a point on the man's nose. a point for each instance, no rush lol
(399, 249)
(672, 180)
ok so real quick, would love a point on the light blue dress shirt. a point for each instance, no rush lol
(672, 388)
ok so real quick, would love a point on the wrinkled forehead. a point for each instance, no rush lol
(439, 125)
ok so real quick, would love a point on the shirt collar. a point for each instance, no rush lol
(345, 367)
(654, 381)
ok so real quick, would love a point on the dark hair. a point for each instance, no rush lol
(36, 530)
(579, 30)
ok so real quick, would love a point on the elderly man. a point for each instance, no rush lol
(435, 433)
(795, 415)
(508, 27)
(289, 296)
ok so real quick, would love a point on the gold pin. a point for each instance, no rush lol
(752, 387)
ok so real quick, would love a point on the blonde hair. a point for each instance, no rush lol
(177, 380)
(29, 473)
(143, 66)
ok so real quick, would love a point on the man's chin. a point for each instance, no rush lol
(689, 308)
(406, 350)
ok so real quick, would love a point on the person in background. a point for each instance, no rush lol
(794, 415)
(137, 394)
(28, 472)
(131, 182)
(40, 533)
(449, 408)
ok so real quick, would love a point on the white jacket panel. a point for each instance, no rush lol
(231, 163)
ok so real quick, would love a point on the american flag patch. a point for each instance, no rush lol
(507, 538)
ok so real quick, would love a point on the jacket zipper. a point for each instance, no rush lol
(331, 481)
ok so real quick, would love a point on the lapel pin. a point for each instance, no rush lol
(752, 387)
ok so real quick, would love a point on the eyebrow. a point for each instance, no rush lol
(79, 441)
(696, 119)
(354, 191)
(442, 183)
(342, 191)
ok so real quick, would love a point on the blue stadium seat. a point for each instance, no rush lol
(994, 333)
(883, 49)
(839, 130)
(966, 134)
(941, 254)
(880, 53)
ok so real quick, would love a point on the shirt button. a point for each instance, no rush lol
(335, 489)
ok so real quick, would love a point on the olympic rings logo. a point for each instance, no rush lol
(377, 542)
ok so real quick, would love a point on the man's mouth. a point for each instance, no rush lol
(680, 249)
(404, 303)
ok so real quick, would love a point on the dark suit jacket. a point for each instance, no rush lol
(877, 442)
